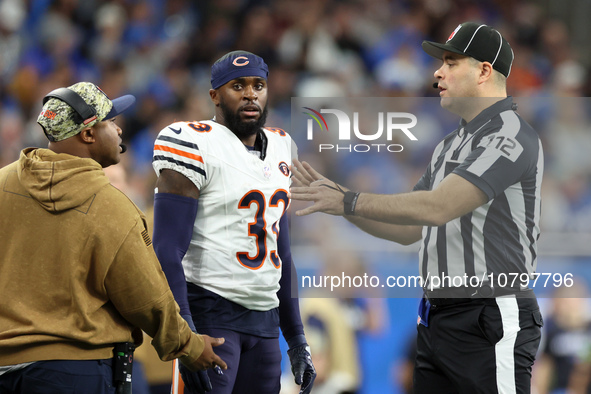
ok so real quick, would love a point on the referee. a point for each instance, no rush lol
(476, 210)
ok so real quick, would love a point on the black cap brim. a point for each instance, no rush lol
(436, 49)
(120, 105)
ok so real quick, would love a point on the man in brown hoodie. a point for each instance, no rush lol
(78, 272)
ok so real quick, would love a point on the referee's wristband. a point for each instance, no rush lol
(350, 201)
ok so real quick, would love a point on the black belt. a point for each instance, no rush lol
(463, 295)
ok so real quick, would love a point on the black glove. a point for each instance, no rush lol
(197, 382)
(301, 366)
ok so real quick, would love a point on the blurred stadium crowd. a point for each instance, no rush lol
(161, 51)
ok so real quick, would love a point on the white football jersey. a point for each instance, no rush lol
(233, 250)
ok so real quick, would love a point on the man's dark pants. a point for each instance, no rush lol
(60, 377)
(478, 346)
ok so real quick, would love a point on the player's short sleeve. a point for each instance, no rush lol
(294, 150)
(503, 157)
(177, 148)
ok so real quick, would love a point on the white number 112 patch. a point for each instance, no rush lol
(507, 146)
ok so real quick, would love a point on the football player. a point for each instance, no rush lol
(221, 232)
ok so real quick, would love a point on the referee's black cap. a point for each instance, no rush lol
(476, 40)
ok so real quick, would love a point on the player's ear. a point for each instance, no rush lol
(213, 93)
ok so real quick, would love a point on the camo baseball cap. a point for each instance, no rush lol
(60, 121)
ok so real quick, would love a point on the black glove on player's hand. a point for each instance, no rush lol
(302, 368)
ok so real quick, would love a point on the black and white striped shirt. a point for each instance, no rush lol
(502, 155)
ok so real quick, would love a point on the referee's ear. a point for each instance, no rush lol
(486, 72)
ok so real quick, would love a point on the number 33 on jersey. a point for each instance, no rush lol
(233, 251)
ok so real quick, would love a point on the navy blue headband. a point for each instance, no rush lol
(235, 65)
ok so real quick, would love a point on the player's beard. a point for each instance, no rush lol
(239, 127)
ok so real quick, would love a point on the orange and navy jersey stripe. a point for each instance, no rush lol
(179, 152)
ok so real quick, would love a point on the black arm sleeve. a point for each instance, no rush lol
(174, 217)
(289, 307)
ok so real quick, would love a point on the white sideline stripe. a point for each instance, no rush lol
(504, 349)
(174, 388)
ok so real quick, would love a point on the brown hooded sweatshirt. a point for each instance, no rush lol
(78, 271)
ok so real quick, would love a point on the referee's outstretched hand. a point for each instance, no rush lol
(309, 185)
